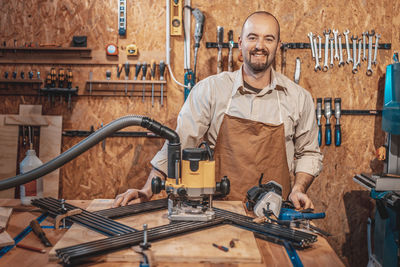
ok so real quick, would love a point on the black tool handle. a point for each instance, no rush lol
(144, 70)
(137, 69)
(162, 69)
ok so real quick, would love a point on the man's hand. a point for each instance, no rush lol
(298, 195)
(131, 196)
(300, 200)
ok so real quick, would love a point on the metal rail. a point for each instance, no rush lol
(101, 222)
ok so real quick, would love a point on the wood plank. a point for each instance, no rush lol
(8, 155)
(194, 247)
(5, 238)
(50, 147)
(26, 120)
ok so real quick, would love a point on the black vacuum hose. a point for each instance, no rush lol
(89, 142)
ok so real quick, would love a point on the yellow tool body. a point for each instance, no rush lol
(132, 50)
(176, 17)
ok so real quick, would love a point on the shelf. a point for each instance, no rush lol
(126, 81)
(125, 88)
(21, 81)
(31, 52)
(19, 86)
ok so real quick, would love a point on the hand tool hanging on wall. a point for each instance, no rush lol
(319, 116)
(30, 75)
(338, 132)
(131, 50)
(119, 70)
(108, 78)
(14, 75)
(61, 78)
(69, 79)
(297, 70)
(53, 75)
(122, 17)
(369, 66)
(137, 71)
(112, 50)
(230, 55)
(198, 34)
(220, 40)
(162, 69)
(144, 71)
(327, 114)
(176, 17)
(126, 76)
(22, 75)
(153, 76)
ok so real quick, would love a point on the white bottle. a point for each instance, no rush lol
(30, 162)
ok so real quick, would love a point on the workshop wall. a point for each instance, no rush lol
(124, 162)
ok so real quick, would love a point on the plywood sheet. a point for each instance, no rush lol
(8, 157)
(194, 247)
(5, 238)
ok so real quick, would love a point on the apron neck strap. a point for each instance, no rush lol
(279, 106)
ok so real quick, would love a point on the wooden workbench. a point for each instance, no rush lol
(320, 254)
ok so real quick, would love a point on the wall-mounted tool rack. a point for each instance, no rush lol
(19, 86)
(117, 88)
(14, 53)
(387, 46)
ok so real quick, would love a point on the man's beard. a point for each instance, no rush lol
(257, 66)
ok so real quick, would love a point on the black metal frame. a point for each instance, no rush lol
(122, 236)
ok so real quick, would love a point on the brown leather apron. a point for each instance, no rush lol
(245, 149)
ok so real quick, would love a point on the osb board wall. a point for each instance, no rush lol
(124, 162)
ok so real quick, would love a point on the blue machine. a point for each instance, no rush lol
(387, 215)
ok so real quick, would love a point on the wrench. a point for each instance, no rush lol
(346, 35)
(331, 42)
(335, 35)
(364, 34)
(317, 66)
(326, 33)
(359, 52)
(369, 67)
(310, 36)
(341, 62)
(319, 47)
(377, 36)
(354, 39)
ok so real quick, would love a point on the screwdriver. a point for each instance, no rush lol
(119, 70)
(225, 249)
(162, 69)
(153, 75)
(22, 75)
(137, 70)
(53, 77)
(319, 116)
(144, 70)
(61, 77)
(126, 76)
(230, 55)
(338, 132)
(328, 113)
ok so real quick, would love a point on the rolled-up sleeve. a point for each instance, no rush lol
(192, 123)
(308, 157)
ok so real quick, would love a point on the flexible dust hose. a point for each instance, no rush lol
(92, 140)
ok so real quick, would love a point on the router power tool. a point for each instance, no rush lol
(188, 193)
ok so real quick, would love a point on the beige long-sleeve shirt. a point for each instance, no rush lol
(202, 113)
